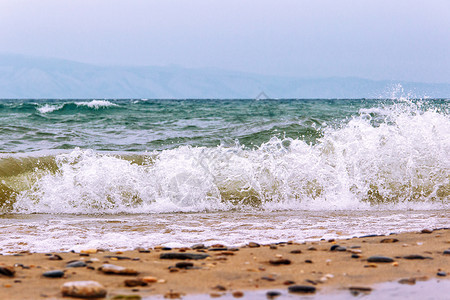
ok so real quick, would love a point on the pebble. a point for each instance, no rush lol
(416, 256)
(172, 295)
(337, 248)
(89, 251)
(113, 269)
(380, 259)
(117, 257)
(297, 251)
(441, 273)
(83, 289)
(198, 246)
(238, 294)
(273, 294)
(426, 230)
(55, 257)
(384, 241)
(76, 264)
(355, 256)
(280, 262)
(447, 252)
(409, 281)
(7, 271)
(184, 265)
(254, 245)
(218, 249)
(127, 297)
(273, 247)
(289, 282)
(306, 289)
(268, 278)
(53, 274)
(220, 288)
(149, 279)
(311, 248)
(134, 282)
(174, 255)
(308, 261)
(143, 250)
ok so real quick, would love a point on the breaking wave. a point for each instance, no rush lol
(393, 156)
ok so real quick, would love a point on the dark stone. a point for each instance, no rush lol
(134, 282)
(198, 246)
(273, 247)
(220, 288)
(426, 231)
(272, 294)
(7, 271)
(280, 262)
(254, 245)
(380, 259)
(84, 254)
(166, 248)
(53, 274)
(416, 256)
(384, 241)
(55, 257)
(184, 265)
(337, 248)
(370, 235)
(304, 289)
(360, 289)
(441, 273)
(298, 251)
(268, 278)
(312, 248)
(218, 249)
(76, 264)
(356, 256)
(308, 261)
(311, 281)
(174, 255)
(334, 247)
(288, 282)
(355, 247)
(143, 250)
(447, 252)
(341, 249)
(117, 257)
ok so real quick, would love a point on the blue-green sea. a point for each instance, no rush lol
(140, 172)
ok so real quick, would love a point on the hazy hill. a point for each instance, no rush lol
(28, 77)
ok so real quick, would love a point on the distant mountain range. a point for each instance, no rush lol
(30, 77)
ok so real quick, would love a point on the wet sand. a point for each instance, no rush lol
(416, 256)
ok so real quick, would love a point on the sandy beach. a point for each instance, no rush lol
(220, 270)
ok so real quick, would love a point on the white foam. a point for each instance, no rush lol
(396, 159)
(49, 108)
(96, 104)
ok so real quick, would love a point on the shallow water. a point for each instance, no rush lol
(434, 289)
(45, 233)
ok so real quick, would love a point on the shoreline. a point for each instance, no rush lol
(326, 266)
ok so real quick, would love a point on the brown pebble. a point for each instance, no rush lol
(410, 281)
(297, 251)
(238, 294)
(280, 262)
(83, 289)
(172, 295)
(426, 230)
(384, 241)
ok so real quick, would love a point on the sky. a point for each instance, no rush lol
(374, 39)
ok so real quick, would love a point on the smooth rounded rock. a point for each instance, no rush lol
(83, 289)
(53, 274)
(303, 289)
(76, 264)
(441, 273)
(273, 294)
(7, 271)
(380, 259)
(113, 269)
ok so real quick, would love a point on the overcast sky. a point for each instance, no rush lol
(375, 39)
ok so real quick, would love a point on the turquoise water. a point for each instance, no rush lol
(144, 163)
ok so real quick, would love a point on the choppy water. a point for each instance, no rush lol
(137, 163)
